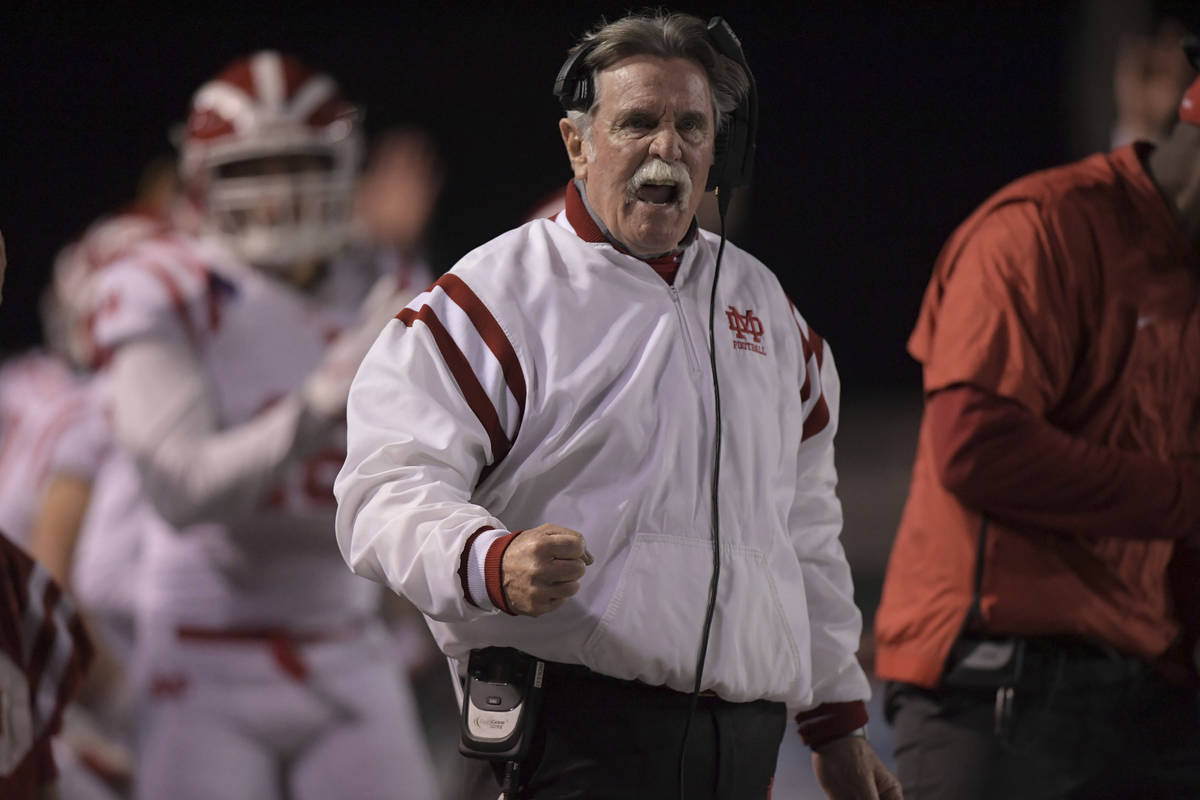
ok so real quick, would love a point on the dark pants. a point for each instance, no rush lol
(602, 738)
(1092, 726)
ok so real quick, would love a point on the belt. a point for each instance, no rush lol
(283, 643)
(566, 673)
(1036, 663)
(1012, 667)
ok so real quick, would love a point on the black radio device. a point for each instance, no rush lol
(500, 702)
(733, 152)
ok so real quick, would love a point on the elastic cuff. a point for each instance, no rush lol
(468, 567)
(830, 721)
(493, 580)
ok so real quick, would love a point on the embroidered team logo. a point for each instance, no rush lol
(747, 330)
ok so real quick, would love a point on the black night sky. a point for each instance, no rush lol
(882, 127)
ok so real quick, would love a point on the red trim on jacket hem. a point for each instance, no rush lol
(492, 577)
(829, 721)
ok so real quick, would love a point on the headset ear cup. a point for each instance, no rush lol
(573, 86)
(733, 151)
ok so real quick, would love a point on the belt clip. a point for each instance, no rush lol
(1003, 710)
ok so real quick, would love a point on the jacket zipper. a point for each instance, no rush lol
(693, 359)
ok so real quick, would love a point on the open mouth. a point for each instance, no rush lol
(658, 194)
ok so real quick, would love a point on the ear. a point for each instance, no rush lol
(573, 141)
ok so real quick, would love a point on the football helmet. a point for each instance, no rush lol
(269, 156)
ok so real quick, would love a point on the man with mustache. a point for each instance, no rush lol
(538, 459)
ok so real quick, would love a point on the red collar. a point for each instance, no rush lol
(589, 230)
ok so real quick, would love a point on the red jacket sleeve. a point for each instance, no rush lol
(999, 457)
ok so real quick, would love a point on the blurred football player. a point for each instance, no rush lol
(44, 653)
(262, 664)
(92, 515)
(398, 190)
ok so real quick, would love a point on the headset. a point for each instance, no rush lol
(1191, 49)
(733, 153)
(733, 165)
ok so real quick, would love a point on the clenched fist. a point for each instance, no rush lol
(541, 568)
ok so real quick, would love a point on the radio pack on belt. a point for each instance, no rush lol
(500, 703)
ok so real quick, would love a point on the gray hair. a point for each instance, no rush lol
(665, 35)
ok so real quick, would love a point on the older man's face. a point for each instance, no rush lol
(650, 150)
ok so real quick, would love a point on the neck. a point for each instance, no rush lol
(581, 186)
(1175, 169)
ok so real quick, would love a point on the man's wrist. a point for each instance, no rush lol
(493, 572)
(857, 733)
(829, 721)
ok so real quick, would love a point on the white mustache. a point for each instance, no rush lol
(658, 171)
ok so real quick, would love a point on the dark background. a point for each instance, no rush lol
(882, 126)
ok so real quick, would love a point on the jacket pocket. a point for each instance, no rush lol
(652, 627)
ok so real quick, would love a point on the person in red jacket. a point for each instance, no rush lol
(1035, 641)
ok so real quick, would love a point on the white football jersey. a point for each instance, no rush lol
(39, 399)
(256, 339)
(104, 569)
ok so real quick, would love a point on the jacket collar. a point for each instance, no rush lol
(589, 228)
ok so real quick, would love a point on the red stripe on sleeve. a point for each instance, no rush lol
(175, 293)
(813, 347)
(476, 396)
(816, 420)
(492, 334)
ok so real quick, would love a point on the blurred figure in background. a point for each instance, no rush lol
(393, 208)
(262, 665)
(1040, 613)
(92, 515)
(398, 191)
(50, 408)
(1149, 79)
(44, 654)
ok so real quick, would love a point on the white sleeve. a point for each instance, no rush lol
(815, 522)
(416, 446)
(165, 415)
(84, 444)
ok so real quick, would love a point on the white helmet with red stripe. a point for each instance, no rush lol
(270, 156)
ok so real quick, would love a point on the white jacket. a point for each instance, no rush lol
(548, 379)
